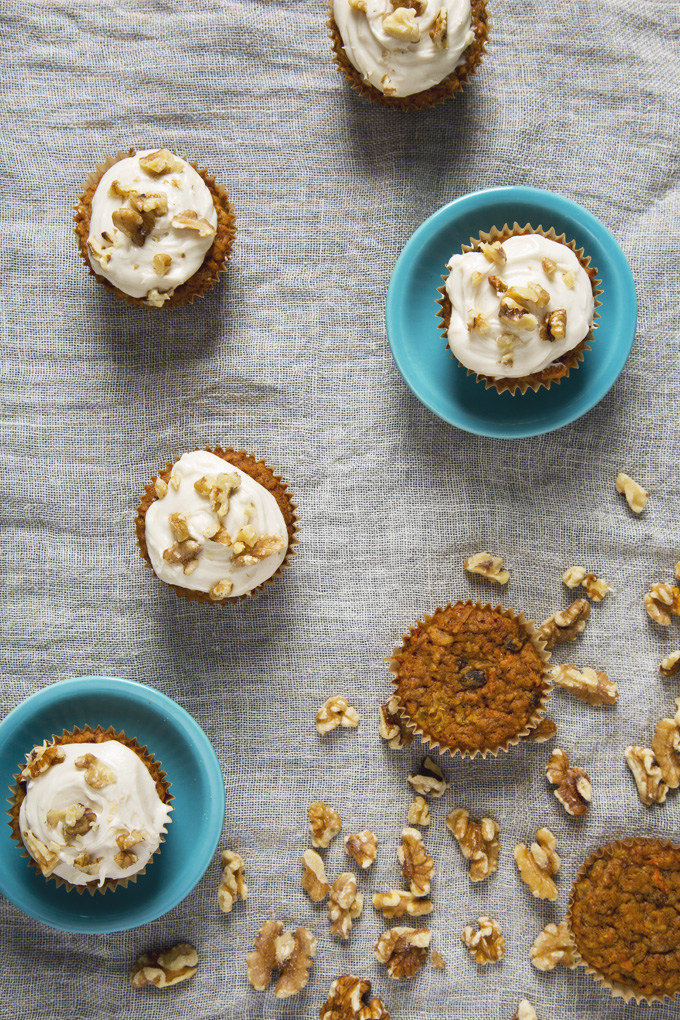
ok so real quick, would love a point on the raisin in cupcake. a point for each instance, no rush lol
(471, 679)
(518, 308)
(408, 54)
(91, 808)
(154, 229)
(217, 525)
(624, 916)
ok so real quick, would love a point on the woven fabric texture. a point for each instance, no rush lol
(288, 358)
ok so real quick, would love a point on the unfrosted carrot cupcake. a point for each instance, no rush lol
(154, 229)
(624, 915)
(518, 307)
(217, 525)
(91, 808)
(408, 54)
(471, 678)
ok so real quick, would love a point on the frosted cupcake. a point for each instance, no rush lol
(518, 308)
(408, 54)
(154, 229)
(91, 809)
(217, 525)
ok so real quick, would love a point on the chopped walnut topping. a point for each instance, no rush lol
(190, 220)
(232, 885)
(162, 263)
(532, 296)
(647, 774)
(178, 526)
(437, 961)
(573, 576)
(220, 590)
(344, 905)
(498, 285)
(565, 625)
(335, 712)
(160, 488)
(97, 773)
(478, 842)
(417, 866)
(439, 32)
(125, 859)
(161, 162)
(554, 945)
(362, 846)
(515, 313)
(40, 759)
(314, 880)
(494, 252)
(126, 840)
(486, 945)
(166, 968)
(429, 781)
(525, 1011)
(276, 950)
(183, 554)
(151, 202)
(569, 279)
(419, 812)
(397, 902)
(358, 5)
(87, 864)
(157, 298)
(589, 685)
(670, 665)
(403, 950)
(75, 820)
(488, 566)
(666, 748)
(324, 823)
(661, 600)
(46, 857)
(117, 190)
(549, 266)
(554, 326)
(574, 790)
(545, 730)
(636, 496)
(345, 1001)
(538, 863)
(477, 323)
(402, 24)
(133, 225)
(393, 727)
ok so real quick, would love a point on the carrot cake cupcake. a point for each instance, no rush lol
(154, 229)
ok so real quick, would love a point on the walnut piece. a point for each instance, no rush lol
(595, 587)
(46, 857)
(478, 842)
(346, 1001)
(661, 600)
(314, 880)
(393, 727)
(437, 961)
(488, 566)
(636, 496)
(537, 863)
(417, 866)
(574, 790)
(573, 576)
(160, 162)
(220, 590)
(166, 968)
(403, 950)
(589, 685)
(275, 949)
(525, 1011)
(344, 905)
(402, 24)
(362, 846)
(670, 665)
(439, 32)
(336, 712)
(429, 780)
(184, 554)
(666, 748)
(133, 224)
(125, 859)
(97, 773)
(187, 219)
(566, 624)
(126, 839)
(232, 886)
(398, 902)
(486, 945)
(75, 820)
(295, 973)
(552, 946)
(40, 759)
(554, 325)
(545, 730)
(494, 252)
(324, 823)
(419, 812)
(647, 774)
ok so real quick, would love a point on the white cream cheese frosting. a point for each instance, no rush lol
(404, 49)
(151, 225)
(215, 529)
(93, 814)
(518, 308)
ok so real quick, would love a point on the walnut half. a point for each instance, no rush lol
(275, 949)
(403, 950)
(324, 823)
(647, 774)
(346, 1001)
(666, 747)
(417, 866)
(393, 727)
(566, 624)
(335, 712)
(314, 880)
(486, 945)
(488, 566)
(552, 946)
(538, 863)
(589, 685)
(478, 842)
(232, 886)
(344, 905)
(429, 780)
(362, 846)
(398, 902)
(165, 968)
(574, 790)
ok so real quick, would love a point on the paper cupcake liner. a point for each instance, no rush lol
(445, 89)
(535, 718)
(618, 990)
(258, 470)
(87, 735)
(560, 369)
(216, 258)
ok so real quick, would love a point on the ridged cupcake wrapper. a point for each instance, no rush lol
(256, 469)
(536, 717)
(216, 258)
(445, 89)
(615, 988)
(570, 359)
(87, 735)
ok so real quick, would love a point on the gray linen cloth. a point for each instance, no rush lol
(288, 357)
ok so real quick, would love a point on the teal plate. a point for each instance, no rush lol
(420, 352)
(190, 764)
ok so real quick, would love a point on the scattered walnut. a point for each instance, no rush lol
(595, 587)
(161, 264)
(554, 945)
(155, 202)
(417, 866)
(314, 880)
(525, 1011)
(429, 780)
(402, 24)
(133, 225)
(40, 759)
(87, 864)
(97, 773)
(232, 885)
(647, 774)
(344, 905)
(515, 313)
(666, 748)
(117, 190)
(545, 730)
(275, 950)
(494, 252)
(324, 823)
(538, 863)
(336, 712)
(126, 840)
(636, 496)
(190, 220)
(398, 902)
(439, 32)
(165, 968)
(220, 590)
(533, 296)
(183, 554)
(403, 950)
(554, 325)
(565, 625)
(573, 576)
(160, 162)
(486, 945)
(661, 600)
(419, 812)
(392, 727)
(477, 323)
(670, 665)
(125, 859)
(362, 846)
(488, 566)
(346, 1001)
(549, 266)
(587, 684)
(179, 526)
(574, 790)
(75, 820)
(46, 857)
(478, 842)
(437, 961)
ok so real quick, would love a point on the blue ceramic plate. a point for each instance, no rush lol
(421, 354)
(191, 765)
